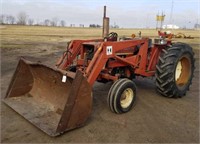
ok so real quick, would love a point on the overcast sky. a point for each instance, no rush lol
(125, 13)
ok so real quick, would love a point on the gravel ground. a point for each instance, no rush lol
(153, 119)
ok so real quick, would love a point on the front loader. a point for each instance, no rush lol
(60, 99)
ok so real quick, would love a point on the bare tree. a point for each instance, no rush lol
(22, 18)
(2, 19)
(54, 21)
(10, 19)
(30, 21)
(46, 22)
(62, 23)
(81, 25)
(7, 19)
(72, 25)
(197, 26)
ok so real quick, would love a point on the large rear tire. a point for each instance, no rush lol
(122, 96)
(174, 71)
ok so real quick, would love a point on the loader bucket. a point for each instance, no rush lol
(53, 100)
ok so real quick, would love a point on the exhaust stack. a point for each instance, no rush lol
(105, 24)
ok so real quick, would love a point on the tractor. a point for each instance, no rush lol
(58, 99)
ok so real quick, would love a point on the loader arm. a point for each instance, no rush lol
(108, 50)
(72, 50)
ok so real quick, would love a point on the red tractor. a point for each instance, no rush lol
(59, 99)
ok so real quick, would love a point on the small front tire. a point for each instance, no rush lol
(122, 96)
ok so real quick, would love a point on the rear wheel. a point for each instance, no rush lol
(122, 96)
(175, 70)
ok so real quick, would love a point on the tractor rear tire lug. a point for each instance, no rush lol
(167, 70)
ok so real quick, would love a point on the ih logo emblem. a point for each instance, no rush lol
(109, 50)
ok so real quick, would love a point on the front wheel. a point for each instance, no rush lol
(122, 96)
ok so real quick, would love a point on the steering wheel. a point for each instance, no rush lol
(112, 36)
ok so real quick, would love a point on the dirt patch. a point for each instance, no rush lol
(153, 119)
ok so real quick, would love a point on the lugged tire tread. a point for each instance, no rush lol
(165, 69)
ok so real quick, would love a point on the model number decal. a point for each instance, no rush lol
(109, 50)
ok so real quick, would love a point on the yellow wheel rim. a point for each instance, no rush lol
(126, 98)
(183, 71)
(178, 70)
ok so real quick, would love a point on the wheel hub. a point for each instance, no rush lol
(178, 70)
(126, 98)
(183, 71)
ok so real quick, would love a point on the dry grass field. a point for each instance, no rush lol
(154, 119)
(37, 34)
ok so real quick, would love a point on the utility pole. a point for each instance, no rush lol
(171, 13)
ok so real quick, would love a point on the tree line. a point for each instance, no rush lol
(23, 19)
